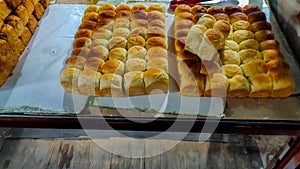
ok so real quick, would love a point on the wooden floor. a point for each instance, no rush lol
(52, 149)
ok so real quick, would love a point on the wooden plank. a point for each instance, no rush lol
(152, 154)
(253, 152)
(229, 156)
(215, 156)
(79, 154)
(168, 159)
(4, 132)
(100, 158)
(240, 153)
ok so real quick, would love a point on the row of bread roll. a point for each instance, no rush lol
(92, 83)
(18, 22)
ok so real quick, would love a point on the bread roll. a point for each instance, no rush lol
(39, 11)
(214, 10)
(105, 24)
(180, 44)
(181, 33)
(122, 7)
(138, 23)
(9, 34)
(142, 15)
(137, 52)
(121, 23)
(247, 55)
(107, 7)
(256, 16)
(1, 23)
(81, 42)
(231, 45)
(83, 51)
(16, 23)
(117, 42)
(249, 44)
(283, 85)
(138, 7)
(135, 64)
(212, 41)
(102, 34)
(91, 16)
(210, 67)
(186, 55)
(241, 35)
(135, 40)
(100, 42)
(156, 15)
(113, 66)
(94, 63)
(272, 54)
(69, 80)
(231, 9)
(125, 14)
(32, 24)
(198, 9)
(254, 67)
(121, 32)
(223, 27)
(250, 8)
(222, 16)
(21, 12)
(111, 85)
(89, 83)
(278, 67)
(99, 51)
(141, 31)
(87, 24)
(241, 25)
(161, 63)
(231, 70)
(155, 32)
(156, 81)
(216, 85)
(156, 7)
(183, 24)
(13, 4)
(182, 8)
(156, 42)
(238, 86)
(192, 85)
(45, 3)
(194, 38)
(197, 16)
(75, 62)
(261, 86)
(157, 52)
(261, 25)
(237, 17)
(269, 44)
(156, 23)
(230, 57)
(91, 8)
(84, 33)
(183, 16)
(134, 83)
(118, 53)
(263, 35)
(208, 22)
(188, 67)
(26, 36)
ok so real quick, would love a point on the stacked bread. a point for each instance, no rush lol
(238, 53)
(118, 51)
(18, 21)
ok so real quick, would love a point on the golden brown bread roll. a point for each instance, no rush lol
(102, 33)
(192, 85)
(134, 83)
(210, 67)
(283, 85)
(230, 57)
(272, 54)
(182, 8)
(222, 16)
(216, 85)
(223, 27)
(183, 16)
(69, 80)
(117, 42)
(278, 67)
(81, 42)
(250, 8)
(16, 23)
(241, 35)
(100, 42)
(121, 7)
(99, 51)
(94, 63)
(135, 64)
(156, 15)
(143, 15)
(198, 9)
(215, 38)
(261, 25)
(155, 32)
(45, 3)
(84, 33)
(141, 31)
(1, 23)
(183, 24)
(254, 67)
(156, 7)
(214, 10)
(105, 23)
(121, 23)
(89, 82)
(28, 4)
(18, 47)
(32, 24)
(156, 41)
(231, 45)
(247, 55)
(238, 86)
(137, 52)
(249, 44)
(157, 52)
(261, 86)
(9, 34)
(230, 9)
(237, 17)
(121, 32)
(181, 33)
(113, 66)
(125, 14)
(156, 81)
(138, 7)
(118, 53)
(111, 85)
(83, 51)
(138, 23)
(91, 16)
(206, 21)
(269, 44)
(231, 70)
(135, 40)
(256, 16)
(180, 44)
(107, 7)
(197, 16)
(91, 8)
(194, 38)
(263, 35)
(188, 67)
(87, 24)
(38, 11)
(75, 62)
(242, 25)
(186, 55)
(157, 23)
(13, 4)
(159, 62)
(26, 36)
